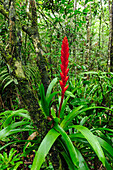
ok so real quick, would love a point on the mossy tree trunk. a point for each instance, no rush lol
(12, 58)
(34, 34)
(111, 44)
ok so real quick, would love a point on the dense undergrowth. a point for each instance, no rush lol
(83, 134)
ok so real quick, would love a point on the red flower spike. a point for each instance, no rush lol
(62, 76)
(61, 84)
(66, 78)
(64, 69)
(66, 72)
(65, 88)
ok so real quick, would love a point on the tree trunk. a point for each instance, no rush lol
(12, 58)
(88, 37)
(34, 33)
(111, 44)
(75, 37)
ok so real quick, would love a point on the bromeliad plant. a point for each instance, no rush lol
(62, 123)
(64, 77)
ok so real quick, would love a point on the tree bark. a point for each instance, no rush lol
(75, 37)
(34, 34)
(111, 44)
(41, 60)
(12, 59)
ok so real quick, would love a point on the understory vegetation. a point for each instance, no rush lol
(56, 85)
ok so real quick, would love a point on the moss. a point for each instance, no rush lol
(8, 57)
(19, 71)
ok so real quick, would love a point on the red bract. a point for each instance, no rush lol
(64, 69)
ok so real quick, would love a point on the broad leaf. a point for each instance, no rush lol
(107, 165)
(52, 95)
(92, 141)
(82, 162)
(11, 129)
(44, 103)
(51, 85)
(70, 117)
(105, 145)
(20, 112)
(70, 146)
(44, 148)
(70, 164)
(66, 121)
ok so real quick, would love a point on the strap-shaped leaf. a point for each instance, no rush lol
(51, 85)
(65, 102)
(82, 163)
(70, 146)
(66, 121)
(44, 148)
(21, 112)
(17, 165)
(89, 72)
(51, 96)
(11, 129)
(107, 165)
(44, 103)
(9, 82)
(92, 141)
(106, 146)
(70, 164)
(70, 117)
(17, 141)
(5, 113)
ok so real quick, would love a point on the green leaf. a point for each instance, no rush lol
(53, 113)
(17, 165)
(103, 129)
(107, 165)
(11, 153)
(11, 129)
(6, 112)
(5, 156)
(77, 111)
(86, 1)
(90, 72)
(70, 117)
(52, 95)
(2, 157)
(84, 120)
(51, 85)
(92, 141)
(82, 162)
(92, 90)
(9, 82)
(64, 16)
(86, 10)
(65, 102)
(17, 141)
(21, 112)
(77, 11)
(70, 164)
(105, 145)
(70, 94)
(70, 146)
(44, 148)
(3, 76)
(44, 103)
